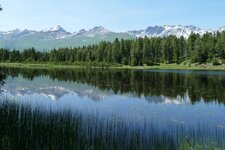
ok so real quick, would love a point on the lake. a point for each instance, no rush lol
(173, 102)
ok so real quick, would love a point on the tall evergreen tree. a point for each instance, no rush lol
(116, 51)
(200, 55)
(139, 51)
(148, 56)
(133, 54)
(220, 45)
(191, 54)
(109, 52)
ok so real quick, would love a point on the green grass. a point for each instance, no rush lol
(38, 65)
(85, 65)
(177, 67)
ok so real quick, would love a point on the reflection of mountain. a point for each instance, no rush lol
(56, 93)
(166, 100)
(55, 90)
(50, 89)
(174, 86)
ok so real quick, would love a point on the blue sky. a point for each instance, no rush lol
(115, 15)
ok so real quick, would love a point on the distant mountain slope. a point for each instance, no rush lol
(56, 37)
(166, 30)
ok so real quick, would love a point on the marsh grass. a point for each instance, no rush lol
(182, 66)
(23, 127)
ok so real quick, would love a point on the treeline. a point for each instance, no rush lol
(141, 51)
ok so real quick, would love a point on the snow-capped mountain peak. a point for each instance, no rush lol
(56, 28)
(166, 30)
(98, 29)
(16, 31)
(221, 29)
(81, 32)
(52, 37)
(56, 32)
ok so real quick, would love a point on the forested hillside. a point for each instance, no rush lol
(141, 51)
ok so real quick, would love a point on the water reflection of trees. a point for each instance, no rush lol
(2, 81)
(169, 84)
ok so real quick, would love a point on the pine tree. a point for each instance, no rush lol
(126, 52)
(133, 59)
(139, 50)
(109, 52)
(176, 50)
(190, 49)
(148, 58)
(200, 57)
(183, 48)
(116, 51)
(220, 45)
(156, 46)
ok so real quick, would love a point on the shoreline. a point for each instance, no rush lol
(73, 66)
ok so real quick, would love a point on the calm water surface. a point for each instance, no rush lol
(160, 96)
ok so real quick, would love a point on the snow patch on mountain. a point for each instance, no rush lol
(221, 29)
(57, 28)
(167, 30)
(57, 32)
(98, 30)
(56, 36)
(16, 33)
(80, 33)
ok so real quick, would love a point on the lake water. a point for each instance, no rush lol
(166, 98)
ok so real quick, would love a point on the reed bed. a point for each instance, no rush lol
(23, 127)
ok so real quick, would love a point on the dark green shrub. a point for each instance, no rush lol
(215, 61)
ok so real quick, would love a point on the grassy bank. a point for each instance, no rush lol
(26, 128)
(74, 66)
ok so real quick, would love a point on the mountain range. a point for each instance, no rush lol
(56, 36)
